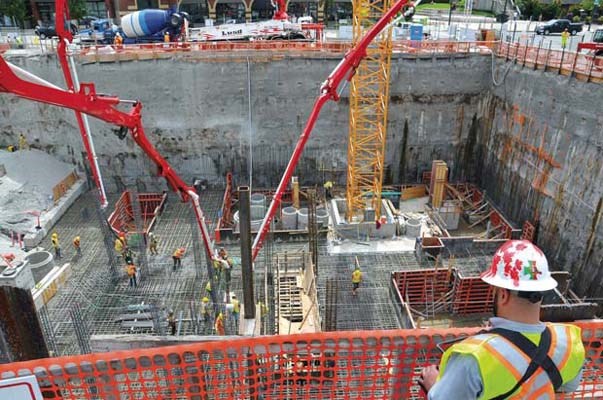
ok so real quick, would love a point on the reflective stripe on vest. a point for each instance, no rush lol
(502, 364)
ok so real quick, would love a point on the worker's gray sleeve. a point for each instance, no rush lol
(462, 377)
(571, 385)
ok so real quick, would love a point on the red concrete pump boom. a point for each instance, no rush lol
(87, 101)
(328, 91)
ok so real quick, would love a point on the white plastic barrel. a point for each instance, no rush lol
(302, 218)
(413, 227)
(289, 218)
(322, 217)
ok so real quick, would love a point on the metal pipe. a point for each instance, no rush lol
(246, 260)
(88, 137)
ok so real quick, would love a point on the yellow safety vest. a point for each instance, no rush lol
(235, 306)
(356, 276)
(502, 364)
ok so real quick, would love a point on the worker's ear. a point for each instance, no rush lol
(505, 295)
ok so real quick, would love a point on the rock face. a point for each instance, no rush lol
(534, 143)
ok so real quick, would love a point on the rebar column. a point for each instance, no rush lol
(21, 336)
(246, 261)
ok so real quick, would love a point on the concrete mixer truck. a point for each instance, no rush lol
(145, 26)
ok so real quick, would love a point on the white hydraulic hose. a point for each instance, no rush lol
(76, 86)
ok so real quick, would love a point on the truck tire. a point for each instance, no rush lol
(42, 35)
(573, 32)
(546, 32)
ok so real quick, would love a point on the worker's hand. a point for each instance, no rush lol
(428, 377)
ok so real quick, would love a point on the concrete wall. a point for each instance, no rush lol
(197, 114)
(539, 155)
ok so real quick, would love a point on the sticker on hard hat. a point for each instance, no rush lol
(22, 388)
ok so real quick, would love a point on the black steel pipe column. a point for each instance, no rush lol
(21, 336)
(246, 262)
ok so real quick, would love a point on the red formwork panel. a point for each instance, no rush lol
(122, 219)
(471, 295)
(329, 365)
(422, 286)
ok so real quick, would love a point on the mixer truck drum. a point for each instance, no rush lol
(175, 20)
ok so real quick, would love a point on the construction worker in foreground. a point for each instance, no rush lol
(356, 279)
(76, 245)
(153, 241)
(520, 357)
(177, 257)
(56, 245)
(219, 325)
(227, 264)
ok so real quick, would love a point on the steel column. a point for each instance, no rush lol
(246, 259)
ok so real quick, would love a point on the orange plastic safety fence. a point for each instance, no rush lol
(342, 365)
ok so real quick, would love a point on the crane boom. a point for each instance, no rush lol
(328, 91)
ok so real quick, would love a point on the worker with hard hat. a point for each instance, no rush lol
(520, 357)
(356, 279)
(236, 310)
(328, 186)
(76, 245)
(131, 271)
(54, 239)
(219, 325)
(205, 308)
(177, 257)
(153, 242)
(171, 320)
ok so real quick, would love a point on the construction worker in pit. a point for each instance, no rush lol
(236, 309)
(177, 257)
(23, 142)
(153, 242)
(520, 357)
(328, 185)
(76, 245)
(205, 309)
(131, 271)
(219, 325)
(56, 245)
(356, 279)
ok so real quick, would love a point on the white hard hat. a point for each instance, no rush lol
(520, 265)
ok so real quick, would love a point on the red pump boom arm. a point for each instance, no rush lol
(87, 101)
(328, 91)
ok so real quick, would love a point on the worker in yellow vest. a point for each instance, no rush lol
(23, 142)
(56, 245)
(356, 279)
(328, 185)
(219, 325)
(205, 308)
(520, 357)
(236, 309)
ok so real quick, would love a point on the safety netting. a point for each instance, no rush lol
(330, 365)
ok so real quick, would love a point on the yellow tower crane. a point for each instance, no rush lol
(369, 99)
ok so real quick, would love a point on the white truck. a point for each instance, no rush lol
(264, 30)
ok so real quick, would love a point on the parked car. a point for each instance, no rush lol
(88, 20)
(558, 26)
(48, 31)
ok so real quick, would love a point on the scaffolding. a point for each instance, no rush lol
(369, 100)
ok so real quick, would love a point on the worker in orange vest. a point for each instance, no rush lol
(131, 270)
(76, 244)
(177, 257)
(219, 325)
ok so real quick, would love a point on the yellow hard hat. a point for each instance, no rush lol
(55, 234)
(220, 315)
(205, 299)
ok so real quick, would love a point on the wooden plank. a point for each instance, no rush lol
(413, 192)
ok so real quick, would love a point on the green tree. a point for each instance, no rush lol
(14, 9)
(77, 9)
